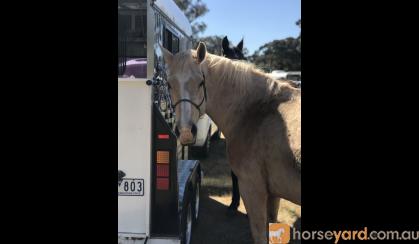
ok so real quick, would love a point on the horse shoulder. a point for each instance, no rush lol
(291, 113)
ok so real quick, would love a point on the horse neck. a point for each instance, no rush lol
(227, 104)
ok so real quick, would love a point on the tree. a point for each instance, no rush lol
(246, 52)
(282, 54)
(299, 36)
(194, 9)
(278, 54)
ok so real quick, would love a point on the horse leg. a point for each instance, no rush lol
(273, 206)
(255, 198)
(235, 200)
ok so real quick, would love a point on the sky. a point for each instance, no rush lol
(257, 21)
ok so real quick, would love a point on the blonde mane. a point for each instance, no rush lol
(242, 75)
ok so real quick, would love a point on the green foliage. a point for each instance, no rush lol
(282, 54)
(194, 9)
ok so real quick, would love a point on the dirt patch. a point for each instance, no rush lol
(215, 224)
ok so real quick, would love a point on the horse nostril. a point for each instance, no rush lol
(177, 132)
(194, 130)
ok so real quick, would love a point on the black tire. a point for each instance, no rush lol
(203, 151)
(196, 201)
(187, 223)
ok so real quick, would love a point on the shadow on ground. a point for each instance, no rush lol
(216, 226)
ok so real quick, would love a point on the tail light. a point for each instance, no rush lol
(164, 198)
(163, 136)
(162, 183)
(162, 170)
(163, 159)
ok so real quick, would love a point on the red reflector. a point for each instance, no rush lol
(162, 183)
(163, 136)
(162, 170)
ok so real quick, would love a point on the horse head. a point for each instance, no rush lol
(233, 52)
(186, 78)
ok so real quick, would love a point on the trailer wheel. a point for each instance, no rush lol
(196, 201)
(187, 226)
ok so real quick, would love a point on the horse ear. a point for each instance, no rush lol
(201, 52)
(167, 55)
(240, 45)
(226, 43)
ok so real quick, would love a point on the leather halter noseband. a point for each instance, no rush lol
(197, 106)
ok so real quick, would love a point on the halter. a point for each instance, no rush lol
(197, 106)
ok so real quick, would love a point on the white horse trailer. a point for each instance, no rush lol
(158, 188)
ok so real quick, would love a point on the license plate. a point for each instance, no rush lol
(131, 187)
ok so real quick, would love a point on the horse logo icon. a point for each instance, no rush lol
(279, 233)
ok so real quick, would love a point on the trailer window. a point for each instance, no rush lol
(132, 38)
(124, 23)
(140, 25)
(170, 41)
(175, 44)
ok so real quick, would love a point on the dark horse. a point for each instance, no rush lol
(233, 53)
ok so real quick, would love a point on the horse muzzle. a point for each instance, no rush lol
(187, 136)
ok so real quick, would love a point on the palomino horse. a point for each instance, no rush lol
(259, 117)
(237, 54)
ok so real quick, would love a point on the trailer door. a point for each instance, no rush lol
(134, 148)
